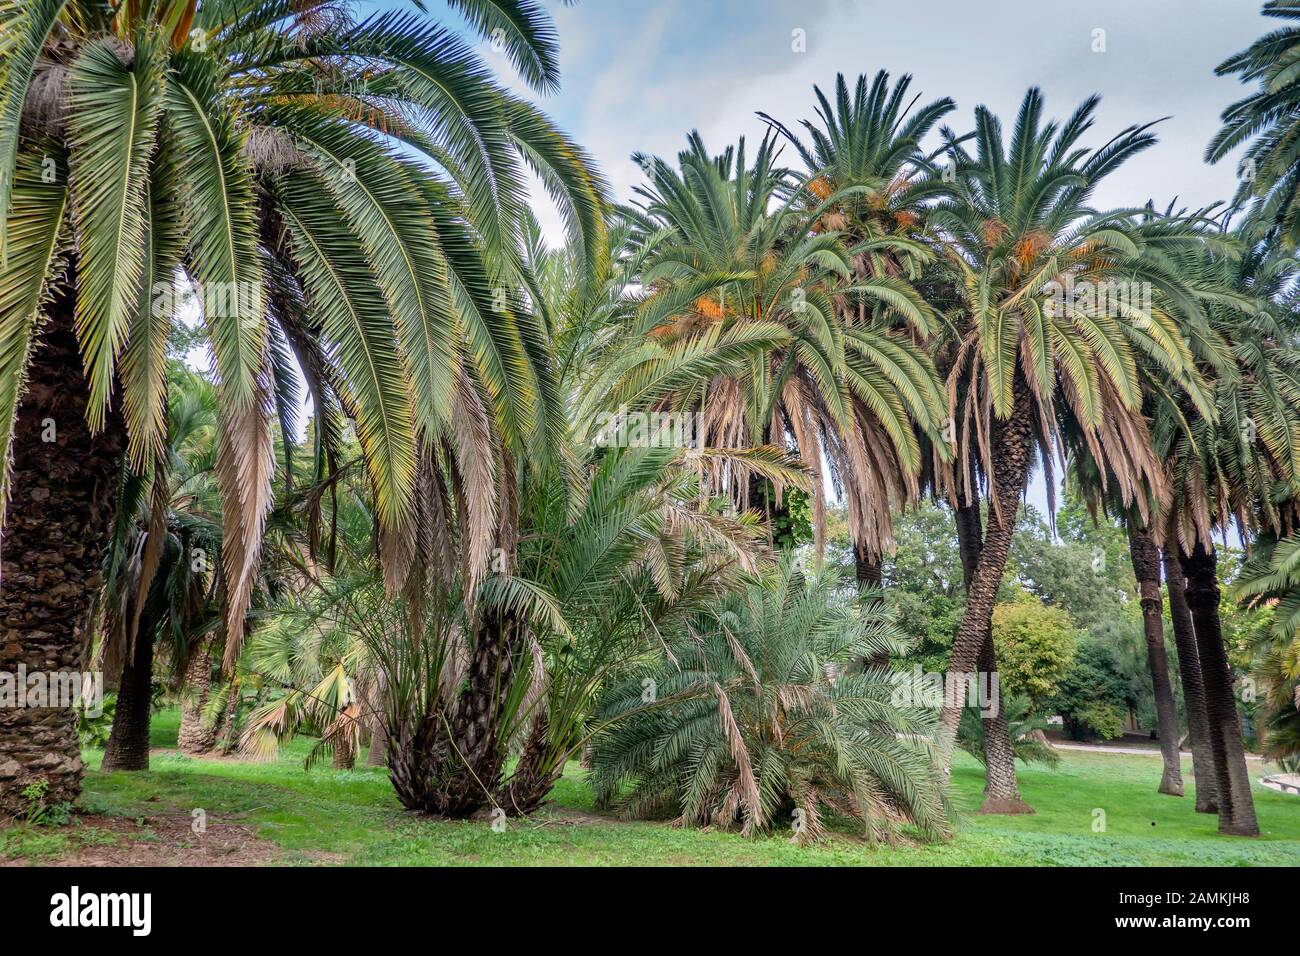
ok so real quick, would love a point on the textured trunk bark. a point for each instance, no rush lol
(195, 737)
(1145, 557)
(1189, 671)
(476, 758)
(1012, 445)
(378, 756)
(64, 483)
(1001, 792)
(531, 781)
(866, 569)
(345, 755)
(411, 746)
(128, 742)
(1236, 806)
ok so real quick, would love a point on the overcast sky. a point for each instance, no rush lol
(637, 76)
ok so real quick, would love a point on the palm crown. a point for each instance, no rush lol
(1034, 265)
(353, 195)
(736, 256)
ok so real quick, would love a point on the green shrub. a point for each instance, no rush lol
(1093, 697)
(1036, 646)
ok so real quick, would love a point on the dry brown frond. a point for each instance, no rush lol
(244, 469)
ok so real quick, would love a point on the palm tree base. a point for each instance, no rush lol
(1005, 806)
(63, 495)
(38, 744)
(1246, 830)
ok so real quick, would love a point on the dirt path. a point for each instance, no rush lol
(165, 838)
(1139, 751)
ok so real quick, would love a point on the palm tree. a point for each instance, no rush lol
(1237, 467)
(1021, 241)
(1177, 243)
(754, 715)
(163, 592)
(630, 549)
(354, 188)
(1269, 169)
(736, 258)
(866, 152)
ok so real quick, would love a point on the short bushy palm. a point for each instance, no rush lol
(754, 715)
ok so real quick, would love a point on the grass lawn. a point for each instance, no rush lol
(351, 817)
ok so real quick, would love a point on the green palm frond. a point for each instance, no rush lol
(112, 132)
(33, 224)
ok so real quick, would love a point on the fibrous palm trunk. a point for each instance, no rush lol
(533, 779)
(476, 753)
(1011, 448)
(1236, 806)
(64, 483)
(128, 742)
(866, 568)
(196, 737)
(1145, 557)
(378, 755)
(345, 754)
(412, 761)
(868, 572)
(1001, 792)
(1189, 670)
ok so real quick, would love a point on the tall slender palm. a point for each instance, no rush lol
(1178, 243)
(1270, 168)
(354, 187)
(1237, 467)
(1021, 235)
(168, 600)
(865, 150)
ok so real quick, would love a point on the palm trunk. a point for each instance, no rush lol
(1011, 448)
(477, 755)
(128, 742)
(411, 760)
(63, 490)
(1146, 568)
(1001, 792)
(345, 754)
(1236, 806)
(868, 572)
(378, 756)
(1189, 670)
(866, 569)
(531, 781)
(195, 737)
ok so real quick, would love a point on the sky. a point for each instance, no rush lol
(637, 76)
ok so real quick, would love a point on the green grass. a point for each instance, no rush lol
(352, 817)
